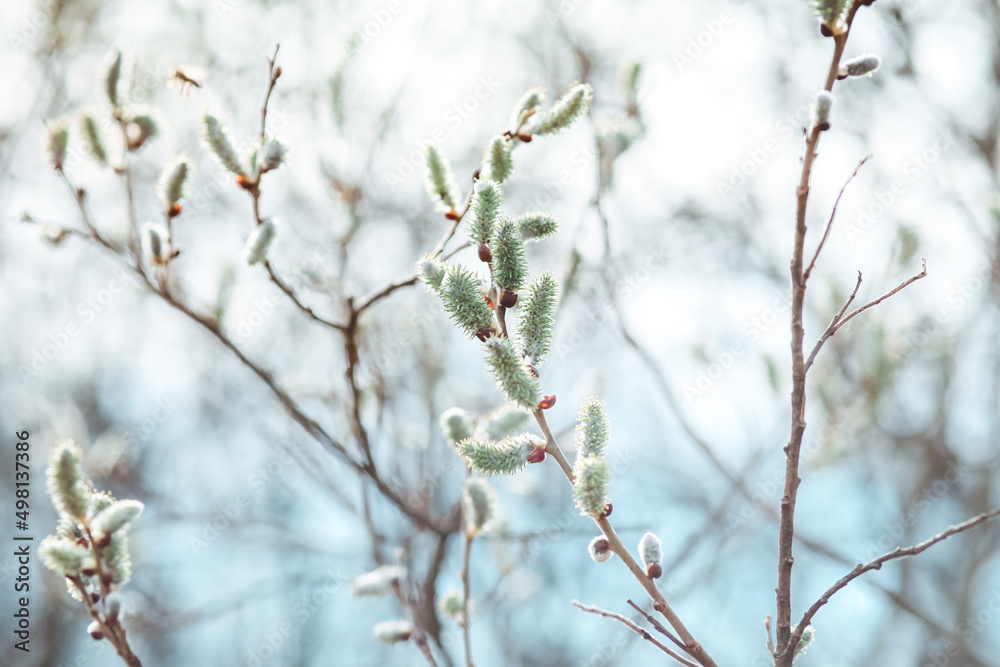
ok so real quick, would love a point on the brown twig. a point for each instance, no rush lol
(272, 77)
(839, 321)
(464, 574)
(616, 545)
(899, 552)
(634, 627)
(290, 292)
(786, 530)
(833, 214)
(655, 622)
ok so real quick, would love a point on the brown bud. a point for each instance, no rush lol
(654, 571)
(824, 126)
(601, 545)
(659, 606)
(89, 568)
(451, 214)
(825, 30)
(174, 211)
(95, 597)
(547, 402)
(485, 254)
(95, 631)
(526, 138)
(508, 299)
(485, 332)
(277, 72)
(537, 455)
(607, 511)
(107, 578)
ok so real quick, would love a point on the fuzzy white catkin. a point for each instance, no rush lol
(155, 243)
(172, 181)
(94, 630)
(378, 582)
(650, 550)
(58, 140)
(861, 65)
(822, 106)
(260, 241)
(112, 519)
(272, 154)
(599, 549)
(390, 632)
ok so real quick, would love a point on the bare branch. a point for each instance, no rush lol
(899, 552)
(655, 622)
(616, 545)
(287, 289)
(833, 214)
(631, 625)
(839, 320)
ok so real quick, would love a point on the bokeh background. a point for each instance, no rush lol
(674, 247)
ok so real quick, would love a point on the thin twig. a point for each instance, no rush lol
(870, 304)
(655, 622)
(466, 556)
(786, 526)
(839, 320)
(288, 290)
(272, 78)
(899, 552)
(833, 214)
(616, 545)
(634, 627)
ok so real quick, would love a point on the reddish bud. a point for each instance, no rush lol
(485, 332)
(654, 571)
(451, 214)
(601, 545)
(526, 138)
(547, 402)
(95, 597)
(485, 254)
(174, 211)
(277, 72)
(607, 511)
(825, 30)
(537, 455)
(659, 606)
(107, 578)
(508, 299)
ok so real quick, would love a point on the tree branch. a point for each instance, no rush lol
(634, 627)
(833, 214)
(899, 552)
(839, 320)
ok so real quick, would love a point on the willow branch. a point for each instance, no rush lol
(899, 552)
(833, 215)
(616, 545)
(634, 627)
